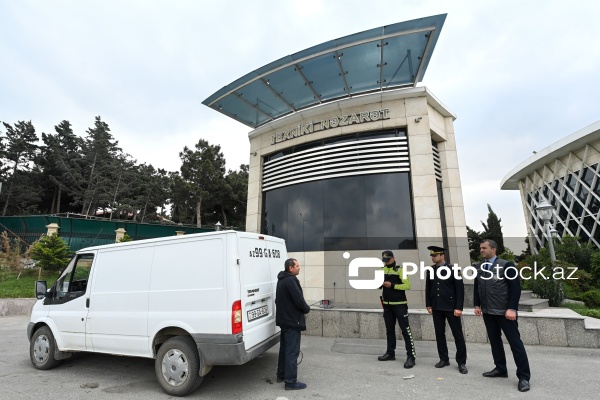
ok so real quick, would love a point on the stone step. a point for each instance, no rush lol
(526, 294)
(533, 304)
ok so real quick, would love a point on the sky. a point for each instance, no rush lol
(519, 75)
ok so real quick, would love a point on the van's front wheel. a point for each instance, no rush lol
(42, 348)
(177, 366)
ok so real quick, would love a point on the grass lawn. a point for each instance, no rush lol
(583, 310)
(23, 287)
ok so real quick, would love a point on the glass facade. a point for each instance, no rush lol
(366, 212)
(576, 198)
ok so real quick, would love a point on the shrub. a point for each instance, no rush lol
(591, 298)
(125, 238)
(50, 252)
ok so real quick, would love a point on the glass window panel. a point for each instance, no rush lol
(240, 110)
(546, 191)
(577, 209)
(290, 85)
(529, 199)
(402, 56)
(585, 238)
(258, 94)
(305, 216)
(324, 74)
(389, 211)
(582, 194)
(588, 176)
(594, 205)
(571, 182)
(563, 213)
(561, 229)
(588, 223)
(344, 208)
(275, 212)
(567, 198)
(573, 227)
(359, 62)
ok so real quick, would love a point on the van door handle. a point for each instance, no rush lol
(87, 302)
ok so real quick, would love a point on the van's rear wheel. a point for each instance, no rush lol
(42, 348)
(177, 366)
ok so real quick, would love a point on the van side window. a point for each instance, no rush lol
(72, 283)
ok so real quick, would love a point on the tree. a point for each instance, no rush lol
(203, 172)
(19, 151)
(50, 252)
(475, 238)
(493, 229)
(61, 163)
(100, 169)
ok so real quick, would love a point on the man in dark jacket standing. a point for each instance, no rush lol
(444, 298)
(289, 316)
(497, 292)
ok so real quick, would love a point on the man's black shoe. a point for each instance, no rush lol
(386, 357)
(495, 374)
(523, 385)
(280, 380)
(442, 364)
(462, 368)
(295, 386)
(410, 362)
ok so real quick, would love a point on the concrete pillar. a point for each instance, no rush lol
(52, 229)
(120, 234)
(179, 233)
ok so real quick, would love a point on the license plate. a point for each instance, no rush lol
(257, 313)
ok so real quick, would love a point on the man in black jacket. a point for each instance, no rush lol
(497, 292)
(444, 298)
(291, 308)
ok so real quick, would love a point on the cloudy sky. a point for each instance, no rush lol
(519, 75)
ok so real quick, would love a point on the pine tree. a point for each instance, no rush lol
(493, 230)
(50, 252)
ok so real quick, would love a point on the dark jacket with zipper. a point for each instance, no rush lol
(290, 303)
(497, 290)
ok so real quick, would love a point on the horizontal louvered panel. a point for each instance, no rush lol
(360, 157)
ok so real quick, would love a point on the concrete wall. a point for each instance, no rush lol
(535, 329)
(10, 307)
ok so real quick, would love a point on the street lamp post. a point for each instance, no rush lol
(544, 210)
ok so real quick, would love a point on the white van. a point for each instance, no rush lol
(189, 301)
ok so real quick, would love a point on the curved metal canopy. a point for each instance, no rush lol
(389, 57)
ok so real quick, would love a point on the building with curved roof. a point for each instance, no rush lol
(566, 175)
(348, 155)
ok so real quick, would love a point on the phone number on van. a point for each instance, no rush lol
(265, 253)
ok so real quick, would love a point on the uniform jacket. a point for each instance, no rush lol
(396, 293)
(444, 294)
(494, 291)
(290, 303)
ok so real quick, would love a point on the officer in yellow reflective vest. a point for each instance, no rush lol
(395, 308)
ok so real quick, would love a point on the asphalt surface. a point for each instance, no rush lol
(333, 368)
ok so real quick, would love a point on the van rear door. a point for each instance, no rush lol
(257, 282)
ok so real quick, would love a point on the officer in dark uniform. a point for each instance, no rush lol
(395, 307)
(444, 298)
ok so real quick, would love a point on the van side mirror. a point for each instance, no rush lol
(40, 289)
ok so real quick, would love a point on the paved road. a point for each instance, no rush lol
(332, 368)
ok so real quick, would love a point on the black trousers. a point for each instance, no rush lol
(495, 325)
(391, 314)
(439, 323)
(289, 349)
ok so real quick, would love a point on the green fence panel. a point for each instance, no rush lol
(80, 232)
